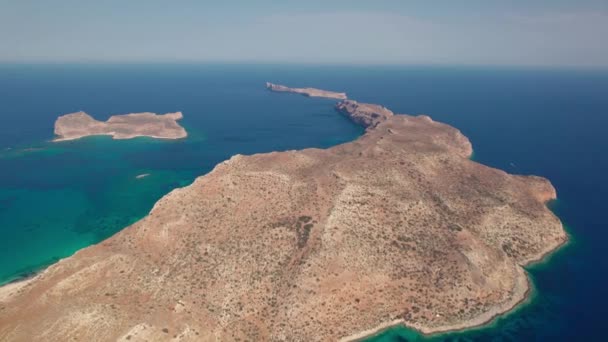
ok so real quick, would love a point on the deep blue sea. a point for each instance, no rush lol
(58, 197)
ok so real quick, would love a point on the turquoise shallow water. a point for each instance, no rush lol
(58, 197)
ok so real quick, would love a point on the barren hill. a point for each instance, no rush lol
(80, 124)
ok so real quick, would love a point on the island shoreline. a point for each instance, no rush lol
(524, 300)
(7, 289)
(126, 126)
(112, 135)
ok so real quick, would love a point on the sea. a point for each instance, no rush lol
(58, 197)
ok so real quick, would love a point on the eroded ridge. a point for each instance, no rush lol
(396, 227)
(365, 114)
(311, 92)
(78, 125)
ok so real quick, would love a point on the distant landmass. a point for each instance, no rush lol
(396, 227)
(311, 92)
(80, 124)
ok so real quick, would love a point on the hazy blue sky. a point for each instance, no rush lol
(517, 32)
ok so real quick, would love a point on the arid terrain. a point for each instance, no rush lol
(396, 227)
(80, 124)
(311, 92)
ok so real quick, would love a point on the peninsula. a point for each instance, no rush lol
(396, 227)
(311, 92)
(80, 124)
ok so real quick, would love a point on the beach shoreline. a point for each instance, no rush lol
(7, 290)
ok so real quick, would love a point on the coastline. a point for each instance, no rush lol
(8, 289)
(113, 136)
(519, 299)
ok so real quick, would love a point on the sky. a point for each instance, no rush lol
(466, 32)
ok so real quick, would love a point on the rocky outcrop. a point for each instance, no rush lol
(366, 115)
(396, 227)
(311, 92)
(80, 124)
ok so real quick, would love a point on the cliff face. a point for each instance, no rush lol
(398, 226)
(80, 124)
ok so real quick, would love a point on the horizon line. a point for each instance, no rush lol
(303, 63)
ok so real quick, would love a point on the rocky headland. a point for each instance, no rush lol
(396, 227)
(78, 125)
(311, 92)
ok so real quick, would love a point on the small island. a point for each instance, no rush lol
(78, 125)
(399, 227)
(311, 92)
